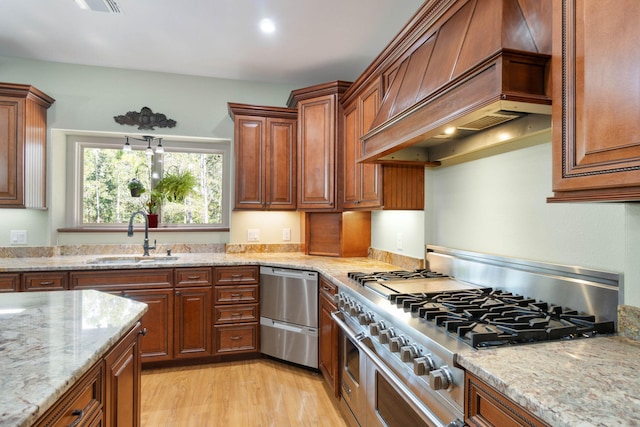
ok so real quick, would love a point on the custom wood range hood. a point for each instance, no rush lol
(471, 65)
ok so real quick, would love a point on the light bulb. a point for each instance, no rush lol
(127, 146)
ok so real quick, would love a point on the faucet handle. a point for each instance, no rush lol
(154, 245)
(169, 252)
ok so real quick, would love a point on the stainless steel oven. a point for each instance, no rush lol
(372, 390)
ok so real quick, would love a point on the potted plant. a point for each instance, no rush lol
(174, 187)
(153, 204)
(136, 187)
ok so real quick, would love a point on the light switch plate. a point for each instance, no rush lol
(18, 237)
(253, 234)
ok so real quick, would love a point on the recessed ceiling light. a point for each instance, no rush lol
(267, 26)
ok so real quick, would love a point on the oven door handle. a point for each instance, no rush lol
(359, 340)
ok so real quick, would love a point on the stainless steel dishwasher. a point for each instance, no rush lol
(289, 315)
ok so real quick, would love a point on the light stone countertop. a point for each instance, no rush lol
(48, 340)
(578, 383)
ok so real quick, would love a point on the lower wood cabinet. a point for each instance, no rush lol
(9, 282)
(487, 407)
(328, 345)
(158, 341)
(45, 281)
(107, 395)
(122, 385)
(192, 330)
(237, 310)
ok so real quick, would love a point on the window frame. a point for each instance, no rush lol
(75, 162)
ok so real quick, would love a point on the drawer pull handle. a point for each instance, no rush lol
(79, 413)
(193, 277)
(46, 282)
(236, 276)
(236, 314)
(236, 338)
(236, 295)
(326, 288)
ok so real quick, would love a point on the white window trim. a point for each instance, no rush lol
(76, 143)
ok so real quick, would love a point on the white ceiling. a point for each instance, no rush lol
(316, 41)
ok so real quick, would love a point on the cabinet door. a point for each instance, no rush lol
(370, 174)
(10, 152)
(157, 344)
(249, 162)
(281, 164)
(9, 282)
(328, 343)
(596, 131)
(192, 332)
(317, 153)
(122, 391)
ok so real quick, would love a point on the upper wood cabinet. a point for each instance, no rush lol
(23, 146)
(596, 131)
(362, 182)
(265, 157)
(319, 128)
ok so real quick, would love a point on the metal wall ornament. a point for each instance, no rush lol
(145, 119)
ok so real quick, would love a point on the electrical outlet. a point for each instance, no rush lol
(18, 237)
(399, 238)
(253, 234)
(286, 234)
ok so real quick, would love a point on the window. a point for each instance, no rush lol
(101, 172)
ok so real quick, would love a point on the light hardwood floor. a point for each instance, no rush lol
(253, 393)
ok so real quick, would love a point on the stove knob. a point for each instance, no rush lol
(423, 365)
(365, 318)
(376, 327)
(440, 379)
(337, 298)
(409, 352)
(355, 309)
(386, 335)
(396, 343)
(344, 301)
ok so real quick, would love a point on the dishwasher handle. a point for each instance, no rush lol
(286, 272)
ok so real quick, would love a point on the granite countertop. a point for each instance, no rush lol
(576, 383)
(584, 382)
(48, 340)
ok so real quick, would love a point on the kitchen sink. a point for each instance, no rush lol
(132, 259)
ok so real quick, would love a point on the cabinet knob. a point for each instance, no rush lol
(143, 332)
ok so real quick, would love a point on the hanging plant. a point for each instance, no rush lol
(136, 187)
(176, 186)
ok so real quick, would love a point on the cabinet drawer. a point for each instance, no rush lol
(45, 281)
(236, 338)
(327, 288)
(84, 400)
(193, 276)
(236, 294)
(237, 313)
(122, 279)
(237, 275)
(9, 282)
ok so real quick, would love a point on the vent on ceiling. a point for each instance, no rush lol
(109, 6)
(489, 120)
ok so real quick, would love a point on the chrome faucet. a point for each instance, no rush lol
(145, 245)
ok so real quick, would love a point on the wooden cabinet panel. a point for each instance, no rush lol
(362, 182)
(328, 340)
(236, 313)
(403, 187)
(46, 281)
(157, 344)
(23, 146)
(188, 277)
(122, 279)
(236, 294)
(317, 154)
(596, 132)
(9, 282)
(192, 332)
(239, 338)
(486, 407)
(122, 385)
(265, 157)
(83, 403)
(237, 275)
(340, 234)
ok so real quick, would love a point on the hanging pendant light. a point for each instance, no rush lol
(127, 146)
(159, 148)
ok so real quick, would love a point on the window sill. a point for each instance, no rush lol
(161, 229)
